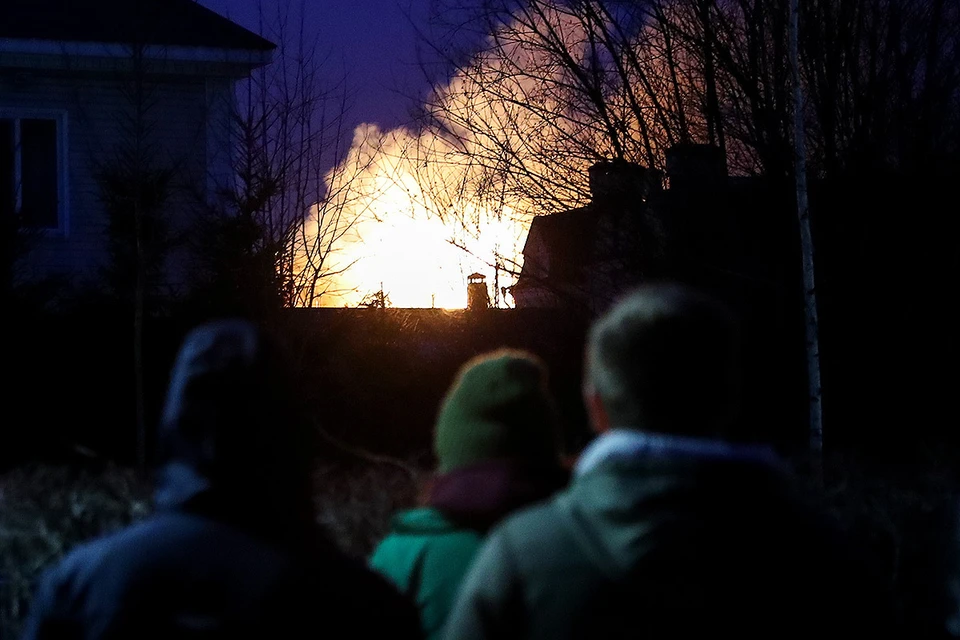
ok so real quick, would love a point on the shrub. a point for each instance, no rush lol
(45, 511)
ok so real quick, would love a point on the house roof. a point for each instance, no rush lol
(567, 237)
(565, 233)
(152, 22)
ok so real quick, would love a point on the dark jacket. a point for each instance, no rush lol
(429, 550)
(233, 550)
(665, 541)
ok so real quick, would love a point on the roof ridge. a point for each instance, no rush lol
(153, 22)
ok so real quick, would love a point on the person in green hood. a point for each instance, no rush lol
(497, 445)
(670, 528)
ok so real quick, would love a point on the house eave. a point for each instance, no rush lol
(53, 54)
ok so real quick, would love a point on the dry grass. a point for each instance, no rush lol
(45, 511)
(356, 502)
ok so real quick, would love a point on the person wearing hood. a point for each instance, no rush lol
(233, 550)
(497, 446)
(669, 528)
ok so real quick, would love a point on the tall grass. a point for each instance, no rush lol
(47, 510)
(899, 516)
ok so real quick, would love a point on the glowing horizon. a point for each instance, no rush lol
(418, 210)
(416, 259)
(399, 242)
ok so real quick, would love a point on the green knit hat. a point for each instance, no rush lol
(498, 408)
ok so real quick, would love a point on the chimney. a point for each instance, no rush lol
(696, 167)
(618, 182)
(477, 295)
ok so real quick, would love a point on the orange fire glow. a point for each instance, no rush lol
(415, 257)
(420, 213)
(401, 241)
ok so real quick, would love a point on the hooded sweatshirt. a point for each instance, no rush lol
(667, 537)
(233, 550)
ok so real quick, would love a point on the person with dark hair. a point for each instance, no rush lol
(497, 445)
(234, 550)
(668, 528)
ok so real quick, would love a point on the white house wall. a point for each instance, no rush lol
(95, 108)
(221, 108)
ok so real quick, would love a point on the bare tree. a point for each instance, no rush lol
(285, 208)
(555, 88)
(135, 186)
(784, 89)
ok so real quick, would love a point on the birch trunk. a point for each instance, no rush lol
(806, 245)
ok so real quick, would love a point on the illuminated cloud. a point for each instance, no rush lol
(457, 196)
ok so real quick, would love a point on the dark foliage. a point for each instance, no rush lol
(138, 236)
(236, 269)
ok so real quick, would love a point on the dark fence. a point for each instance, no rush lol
(372, 378)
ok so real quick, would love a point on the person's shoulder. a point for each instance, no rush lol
(531, 530)
(424, 521)
(425, 527)
(124, 548)
(69, 582)
(533, 515)
(67, 578)
(86, 560)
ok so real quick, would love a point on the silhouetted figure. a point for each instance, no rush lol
(667, 530)
(496, 442)
(233, 550)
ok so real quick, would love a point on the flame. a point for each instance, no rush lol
(401, 241)
(426, 208)
(414, 257)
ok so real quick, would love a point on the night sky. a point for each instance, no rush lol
(372, 41)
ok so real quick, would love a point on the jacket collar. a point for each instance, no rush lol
(479, 495)
(178, 484)
(633, 444)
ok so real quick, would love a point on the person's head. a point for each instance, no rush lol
(664, 359)
(498, 408)
(229, 431)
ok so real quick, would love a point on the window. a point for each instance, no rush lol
(32, 179)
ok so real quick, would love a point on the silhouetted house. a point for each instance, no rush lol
(705, 227)
(585, 256)
(734, 234)
(66, 69)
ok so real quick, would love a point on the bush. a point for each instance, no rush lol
(895, 515)
(357, 501)
(903, 519)
(45, 511)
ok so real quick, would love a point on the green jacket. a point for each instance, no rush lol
(660, 543)
(426, 557)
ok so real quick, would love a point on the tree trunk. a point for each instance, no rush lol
(140, 284)
(138, 303)
(806, 243)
